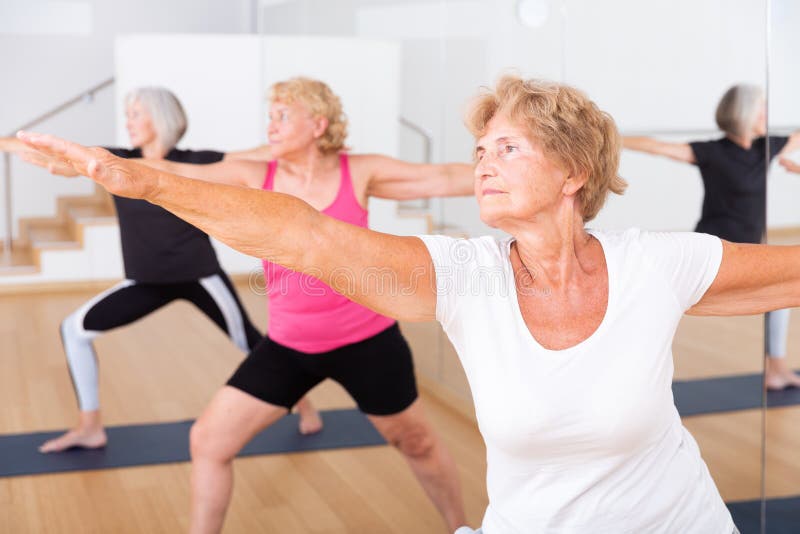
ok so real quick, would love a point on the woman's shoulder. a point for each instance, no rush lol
(480, 251)
(640, 250)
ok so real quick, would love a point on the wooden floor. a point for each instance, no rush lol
(166, 366)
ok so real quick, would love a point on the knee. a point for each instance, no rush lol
(417, 443)
(69, 325)
(207, 444)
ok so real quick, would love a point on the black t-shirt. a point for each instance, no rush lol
(735, 201)
(157, 246)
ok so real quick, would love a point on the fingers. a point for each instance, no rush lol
(77, 155)
(789, 164)
(54, 166)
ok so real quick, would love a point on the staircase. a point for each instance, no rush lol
(65, 231)
(79, 245)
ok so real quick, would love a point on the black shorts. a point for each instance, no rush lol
(377, 372)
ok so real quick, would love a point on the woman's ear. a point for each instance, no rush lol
(574, 182)
(320, 125)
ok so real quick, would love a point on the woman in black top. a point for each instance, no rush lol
(734, 171)
(165, 259)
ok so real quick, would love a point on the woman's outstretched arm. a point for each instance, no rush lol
(753, 279)
(390, 274)
(677, 151)
(12, 144)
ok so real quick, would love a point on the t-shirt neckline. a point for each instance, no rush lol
(517, 310)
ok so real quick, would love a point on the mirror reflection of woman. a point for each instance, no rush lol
(734, 170)
(565, 334)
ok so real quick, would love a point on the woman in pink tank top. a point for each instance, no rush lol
(314, 332)
(305, 314)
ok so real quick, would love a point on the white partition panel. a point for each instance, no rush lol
(364, 73)
(223, 80)
(218, 78)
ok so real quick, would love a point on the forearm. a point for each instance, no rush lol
(239, 173)
(259, 153)
(189, 170)
(391, 275)
(676, 151)
(459, 180)
(12, 144)
(641, 144)
(263, 224)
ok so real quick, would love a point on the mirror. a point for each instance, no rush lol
(782, 350)
(661, 75)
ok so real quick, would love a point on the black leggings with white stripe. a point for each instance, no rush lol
(129, 301)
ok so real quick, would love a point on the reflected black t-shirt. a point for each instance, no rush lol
(734, 206)
(157, 246)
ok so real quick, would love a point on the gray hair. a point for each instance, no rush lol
(165, 110)
(738, 108)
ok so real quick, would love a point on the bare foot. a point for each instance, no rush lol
(310, 420)
(779, 375)
(778, 381)
(83, 438)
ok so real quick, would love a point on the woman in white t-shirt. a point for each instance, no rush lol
(565, 334)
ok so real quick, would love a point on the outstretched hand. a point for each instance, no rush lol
(57, 167)
(789, 165)
(117, 175)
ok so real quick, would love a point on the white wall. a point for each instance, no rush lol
(784, 108)
(42, 70)
(658, 67)
(654, 65)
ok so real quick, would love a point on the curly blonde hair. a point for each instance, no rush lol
(570, 127)
(321, 101)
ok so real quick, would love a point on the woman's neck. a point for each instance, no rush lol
(551, 250)
(153, 151)
(743, 141)
(307, 164)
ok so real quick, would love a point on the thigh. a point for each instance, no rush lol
(123, 304)
(215, 296)
(275, 374)
(409, 427)
(210, 298)
(230, 421)
(377, 372)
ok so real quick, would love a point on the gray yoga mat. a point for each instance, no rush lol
(727, 394)
(783, 515)
(160, 443)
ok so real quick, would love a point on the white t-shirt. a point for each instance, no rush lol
(586, 439)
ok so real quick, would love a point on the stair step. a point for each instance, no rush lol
(51, 236)
(91, 213)
(20, 261)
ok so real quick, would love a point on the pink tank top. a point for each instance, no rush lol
(305, 314)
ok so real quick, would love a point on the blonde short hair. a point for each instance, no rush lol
(570, 127)
(166, 113)
(738, 108)
(321, 101)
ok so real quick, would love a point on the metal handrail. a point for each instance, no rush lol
(88, 94)
(427, 139)
(84, 96)
(702, 132)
